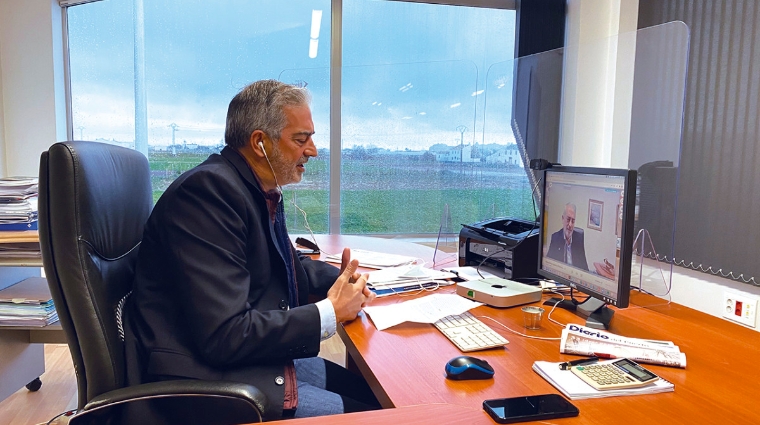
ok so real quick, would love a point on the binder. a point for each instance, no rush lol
(32, 290)
(27, 303)
(32, 225)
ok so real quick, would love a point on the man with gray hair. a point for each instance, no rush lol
(567, 244)
(221, 294)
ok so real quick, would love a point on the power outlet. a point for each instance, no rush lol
(740, 308)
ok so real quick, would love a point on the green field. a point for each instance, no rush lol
(389, 195)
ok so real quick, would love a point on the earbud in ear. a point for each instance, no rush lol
(261, 145)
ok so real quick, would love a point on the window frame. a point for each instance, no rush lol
(336, 68)
(336, 63)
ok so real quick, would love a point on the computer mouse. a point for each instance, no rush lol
(467, 367)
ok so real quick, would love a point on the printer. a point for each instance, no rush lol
(504, 247)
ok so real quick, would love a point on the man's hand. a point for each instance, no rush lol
(345, 260)
(349, 293)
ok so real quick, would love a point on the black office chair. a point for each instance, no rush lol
(94, 200)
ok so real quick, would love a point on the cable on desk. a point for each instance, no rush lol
(477, 269)
(419, 281)
(66, 413)
(548, 317)
(421, 290)
(515, 332)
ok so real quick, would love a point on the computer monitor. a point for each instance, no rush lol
(586, 237)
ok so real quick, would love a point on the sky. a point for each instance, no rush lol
(413, 74)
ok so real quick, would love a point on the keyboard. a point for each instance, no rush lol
(468, 333)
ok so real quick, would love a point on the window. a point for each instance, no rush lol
(425, 100)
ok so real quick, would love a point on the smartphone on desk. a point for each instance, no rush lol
(529, 408)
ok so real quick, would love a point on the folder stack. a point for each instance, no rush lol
(27, 303)
(18, 203)
(20, 246)
(409, 278)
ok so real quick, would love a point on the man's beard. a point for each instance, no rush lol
(285, 172)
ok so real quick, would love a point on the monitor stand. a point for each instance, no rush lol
(595, 311)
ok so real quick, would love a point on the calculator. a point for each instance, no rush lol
(615, 375)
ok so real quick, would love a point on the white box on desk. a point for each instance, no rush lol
(498, 292)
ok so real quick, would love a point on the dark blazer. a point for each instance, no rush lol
(210, 292)
(577, 249)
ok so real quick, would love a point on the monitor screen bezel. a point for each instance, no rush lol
(626, 235)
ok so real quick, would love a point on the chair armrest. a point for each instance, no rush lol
(227, 402)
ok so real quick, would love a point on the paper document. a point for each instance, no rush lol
(575, 389)
(426, 309)
(27, 303)
(410, 278)
(18, 187)
(469, 273)
(373, 260)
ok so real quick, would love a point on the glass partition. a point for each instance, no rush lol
(621, 106)
(655, 147)
(427, 146)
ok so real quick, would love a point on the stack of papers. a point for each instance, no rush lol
(427, 309)
(18, 187)
(574, 388)
(27, 303)
(19, 245)
(18, 203)
(468, 273)
(36, 314)
(410, 278)
(20, 250)
(373, 260)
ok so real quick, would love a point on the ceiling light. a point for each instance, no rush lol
(316, 22)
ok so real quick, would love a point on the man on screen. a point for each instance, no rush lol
(567, 243)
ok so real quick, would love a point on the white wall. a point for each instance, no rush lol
(31, 83)
(594, 128)
(598, 89)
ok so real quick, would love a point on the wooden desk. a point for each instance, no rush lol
(404, 364)
(425, 414)
(334, 244)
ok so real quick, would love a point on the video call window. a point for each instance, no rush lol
(582, 229)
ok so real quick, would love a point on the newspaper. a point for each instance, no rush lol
(584, 341)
